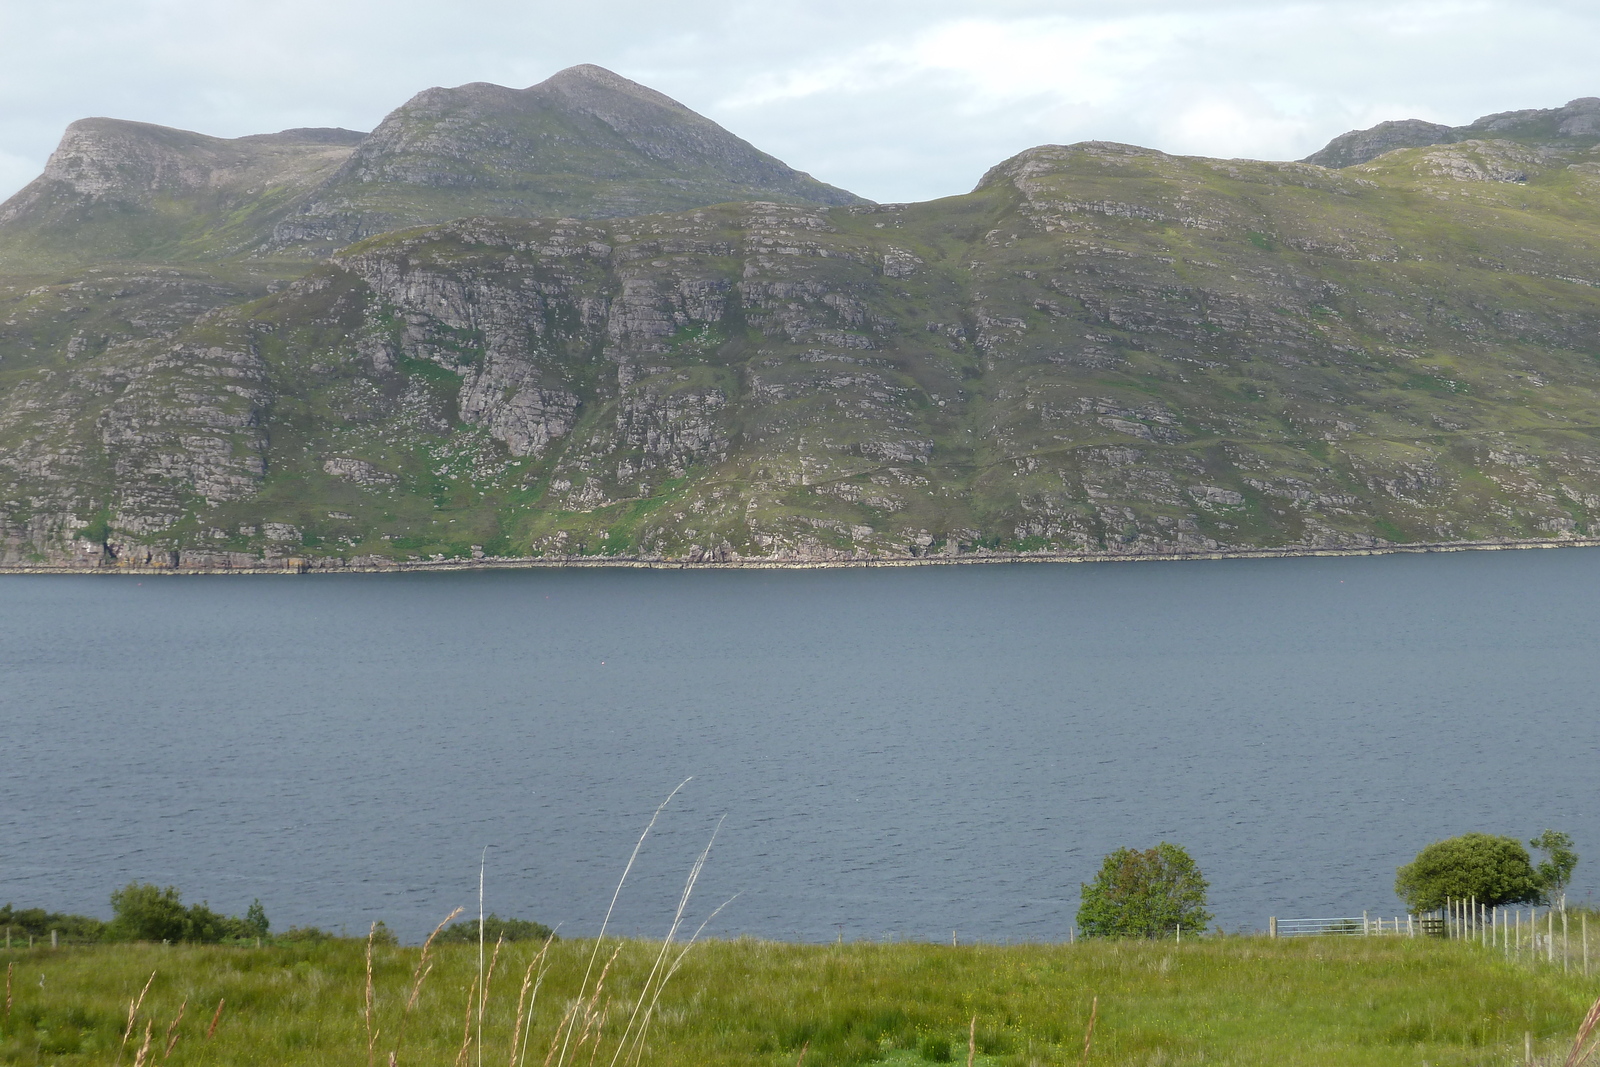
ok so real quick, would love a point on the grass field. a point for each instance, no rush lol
(1236, 1000)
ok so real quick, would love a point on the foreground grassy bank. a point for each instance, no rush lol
(1349, 1001)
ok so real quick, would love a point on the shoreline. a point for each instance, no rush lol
(295, 565)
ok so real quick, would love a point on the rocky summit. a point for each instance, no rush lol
(579, 322)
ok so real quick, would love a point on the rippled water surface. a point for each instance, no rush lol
(899, 753)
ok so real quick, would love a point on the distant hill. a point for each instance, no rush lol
(1100, 350)
(1577, 124)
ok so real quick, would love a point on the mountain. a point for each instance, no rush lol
(1576, 125)
(1101, 350)
(586, 143)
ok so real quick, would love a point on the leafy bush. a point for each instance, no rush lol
(143, 912)
(494, 928)
(1145, 894)
(36, 922)
(1490, 869)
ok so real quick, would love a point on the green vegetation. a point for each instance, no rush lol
(494, 929)
(1555, 870)
(1154, 894)
(144, 912)
(1357, 1002)
(1489, 869)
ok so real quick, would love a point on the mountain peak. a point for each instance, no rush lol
(585, 142)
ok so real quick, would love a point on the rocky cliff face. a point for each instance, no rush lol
(1579, 120)
(1101, 349)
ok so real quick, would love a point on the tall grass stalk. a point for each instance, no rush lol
(144, 1049)
(372, 1036)
(666, 946)
(172, 1030)
(133, 1015)
(418, 976)
(1579, 1054)
(526, 1000)
(466, 1027)
(1088, 1035)
(483, 984)
(600, 938)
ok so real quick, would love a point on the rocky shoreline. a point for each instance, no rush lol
(377, 565)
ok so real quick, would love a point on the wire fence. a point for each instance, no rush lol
(1552, 937)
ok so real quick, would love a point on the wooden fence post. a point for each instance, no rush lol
(1272, 927)
(1566, 944)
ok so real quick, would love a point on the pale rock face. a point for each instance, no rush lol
(504, 395)
(358, 471)
(112, 160)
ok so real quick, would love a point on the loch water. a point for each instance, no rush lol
(898, 753)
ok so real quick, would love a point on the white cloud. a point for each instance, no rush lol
(894, 99)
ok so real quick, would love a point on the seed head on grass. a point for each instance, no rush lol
(1579, 1054)
(144, 1049)
(133, 1014)
(466, 1026)
(172, 1030)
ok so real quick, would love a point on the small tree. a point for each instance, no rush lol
(142, 912)
(1555, 872)
(255, 920)
(1144, 894)
(1490, 869)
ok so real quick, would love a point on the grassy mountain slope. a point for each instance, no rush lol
(1101, 349)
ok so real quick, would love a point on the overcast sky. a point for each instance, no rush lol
(893, 99)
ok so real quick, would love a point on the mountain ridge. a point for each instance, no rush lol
(1577, 120)
(585, 142)
(1102, 351)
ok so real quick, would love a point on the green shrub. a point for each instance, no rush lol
(143, 912)
(36, 922)
(1145, 894)
(495, 928)
(936, 1049)
(1489, 869)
